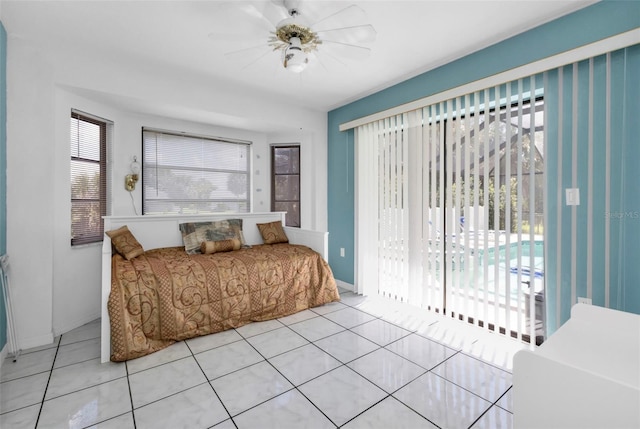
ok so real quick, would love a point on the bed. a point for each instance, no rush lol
(152, 299)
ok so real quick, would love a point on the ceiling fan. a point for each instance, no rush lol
(339, 35)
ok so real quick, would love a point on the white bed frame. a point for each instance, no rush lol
(153, 231)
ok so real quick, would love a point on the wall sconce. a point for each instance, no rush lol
(130, 180)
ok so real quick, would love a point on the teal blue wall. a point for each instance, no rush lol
(623, 215)
(604, 19)
(630, 194)
(3, 170)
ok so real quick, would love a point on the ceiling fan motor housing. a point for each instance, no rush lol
(290, 28)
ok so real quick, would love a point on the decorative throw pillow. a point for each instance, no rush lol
(220, 246)
(125, 243)
(194, 233)
(272, 232)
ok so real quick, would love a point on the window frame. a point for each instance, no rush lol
(274, 148)
(147, 164)
(98, 233)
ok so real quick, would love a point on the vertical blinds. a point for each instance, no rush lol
(591, 102)
(588, 126)
(192, 174)
(449, 207)
(593, 107)
(88, 145)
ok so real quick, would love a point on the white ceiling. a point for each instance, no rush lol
(412, 37)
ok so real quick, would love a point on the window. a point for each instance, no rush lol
(88, 178)
(193, 174)
(285, 182)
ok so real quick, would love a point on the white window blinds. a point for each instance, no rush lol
(193, 174)
(88, 146)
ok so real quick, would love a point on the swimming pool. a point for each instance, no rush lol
(502, 267)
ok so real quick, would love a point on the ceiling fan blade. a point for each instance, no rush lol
(242, 24)
(255, 60)
(270, 13)
(242, 18)
(350, 15)
(327, 57)
(249, 53)
(345, 50)
(353, 34)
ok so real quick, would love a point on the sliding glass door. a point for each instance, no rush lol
(457, 192)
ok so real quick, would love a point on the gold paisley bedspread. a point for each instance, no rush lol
(166, 295)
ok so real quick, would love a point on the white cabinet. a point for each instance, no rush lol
(586, 375)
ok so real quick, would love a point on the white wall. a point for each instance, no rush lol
(58, 287)
(30, 199)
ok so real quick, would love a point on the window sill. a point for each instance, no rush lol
(86, 245)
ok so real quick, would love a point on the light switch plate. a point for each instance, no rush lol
(573, 196)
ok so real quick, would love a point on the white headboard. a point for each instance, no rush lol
(154, 231)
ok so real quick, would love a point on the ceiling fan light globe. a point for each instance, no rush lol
(297, 68)
(295, 59)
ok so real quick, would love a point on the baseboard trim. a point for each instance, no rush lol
(345, 285)
(70, 326)
(3, 354)
(41, 340)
